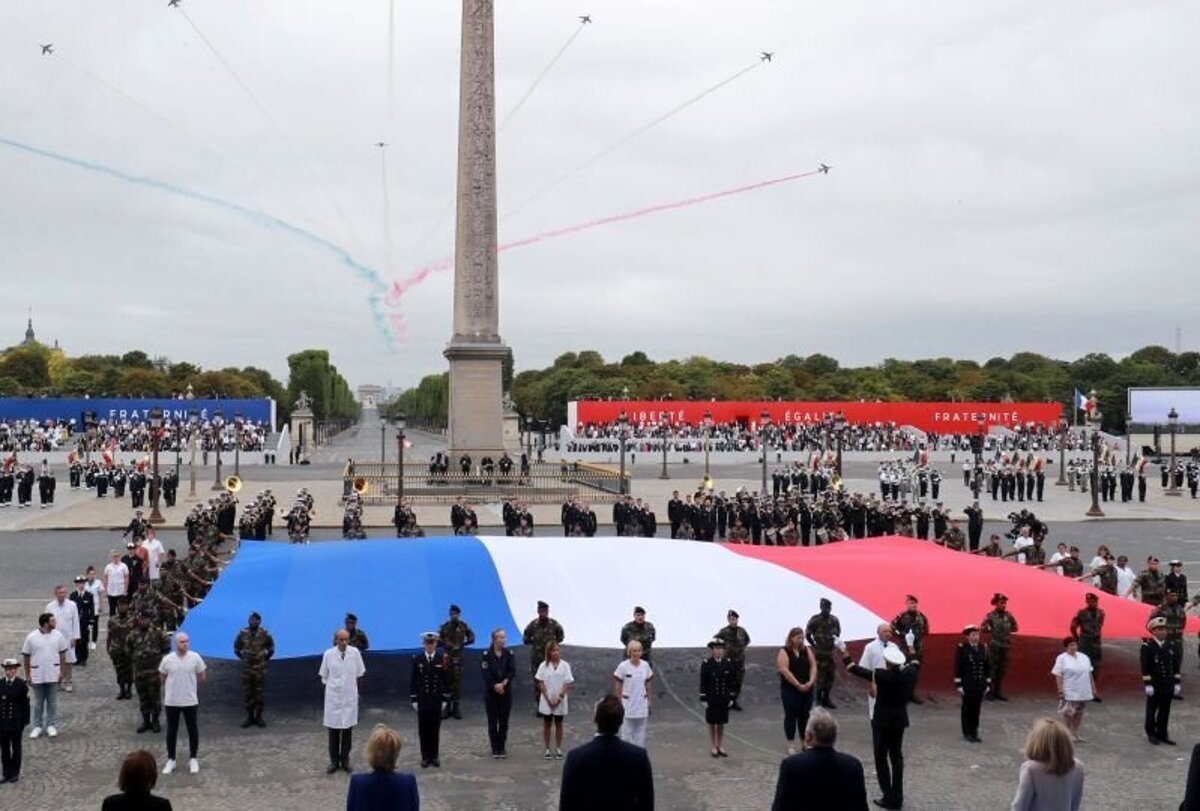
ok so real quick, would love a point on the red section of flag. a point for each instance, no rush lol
(954, 588)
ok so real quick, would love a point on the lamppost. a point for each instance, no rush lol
(1062, 452)
(622, 421)
(1173, 424)
(401, 424)
(764, 420)
(237, 449)
(218, 422)
(156, 424)
(665, 429)
(193, 425)
(383, 440)
(839, 425)
(707, 438)
(1095, 511)
(89, 427)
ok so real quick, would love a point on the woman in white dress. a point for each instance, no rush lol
(1076, 684)
(554, 681)
(631, 682)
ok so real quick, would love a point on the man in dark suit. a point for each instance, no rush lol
(607, 773)
(819, 777)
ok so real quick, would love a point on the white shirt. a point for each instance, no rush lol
(181, 673)
(633, 687)
(66, 622)
(872, 659)
(1022, 542)
(116, 578)
(43, 651)
(95, 588)
(340, 672)
(555, 680)
(1099, 563)
(1125, 578)
(1076, 676)
(1055, 558)
(154, 554)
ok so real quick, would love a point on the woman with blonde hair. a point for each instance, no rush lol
(383, 788)
(1051, 778)
(631, 683)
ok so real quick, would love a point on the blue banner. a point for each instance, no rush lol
(115, 409)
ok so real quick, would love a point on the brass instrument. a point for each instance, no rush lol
(233, 484)
(361, 486)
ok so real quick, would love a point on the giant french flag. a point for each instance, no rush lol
(402, 587)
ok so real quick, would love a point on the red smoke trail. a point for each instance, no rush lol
(400, 287)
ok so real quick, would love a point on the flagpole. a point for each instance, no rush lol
(1074, 409)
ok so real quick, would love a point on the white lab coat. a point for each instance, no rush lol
(340, 673)
(66, 622)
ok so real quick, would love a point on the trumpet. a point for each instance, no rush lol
(233, 484)
(361, 486)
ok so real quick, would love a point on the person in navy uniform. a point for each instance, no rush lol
(14, 717)
(1160, 677)
(429, 691)
(85, 605)
(974, 525)
(499, 670)
(718, 691)
(972, 678)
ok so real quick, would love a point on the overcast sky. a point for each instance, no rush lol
(1007, 177)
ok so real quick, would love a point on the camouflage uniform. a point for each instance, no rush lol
(954, 539)
(537, 636)
(643, 632)
(358, 639)
(736, 641)
(254, 647)
(821, 630)
(1152, 585)
(1176, 617)
(453, 636)
(119, 626)
(918, 623)
(1086, 626)
(146, 647)
(1001, 625)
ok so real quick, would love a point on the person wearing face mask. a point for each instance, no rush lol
(341, 672)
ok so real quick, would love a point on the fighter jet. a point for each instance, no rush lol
(172, 3)
(824, 169)
(381, 144)
(47, 49)
(585, 19)
(766, 56)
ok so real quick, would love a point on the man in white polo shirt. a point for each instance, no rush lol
(45, 652)
(182, 674)
(66, 622)
(116, 581)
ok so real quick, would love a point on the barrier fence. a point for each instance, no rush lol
(546, 483)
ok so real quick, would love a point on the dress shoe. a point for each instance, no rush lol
(424, 764)
(346, 766)
(435, 763)
(1167, 741)
(1097, 699)
(333, 767)
(145, 723)
(1153, 740)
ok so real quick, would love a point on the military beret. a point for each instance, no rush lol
(912, 597)
(997, 597)
(543, 605)
(732, 613)
(825, 603)
(429, 636)
(637, 609)
(716, 642)
(1091, 595)
(11, 663)
(351, 617)
(255, 615)
(1157, 622)
(455, 609)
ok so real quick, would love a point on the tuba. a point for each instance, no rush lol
(233, 484)
(361, 486)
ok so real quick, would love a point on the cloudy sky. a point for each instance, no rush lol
(1015, 176)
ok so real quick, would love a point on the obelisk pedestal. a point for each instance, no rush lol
(475, 352)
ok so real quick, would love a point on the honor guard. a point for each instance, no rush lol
(1175, 615)
(972, 677)
(454, 636)
(14, 716)
(255, 647)
(429, 693)
(1160, 678)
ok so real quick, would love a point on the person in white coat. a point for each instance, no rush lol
(155, 552)
(66, 622)
(341, 671)
(631, 682)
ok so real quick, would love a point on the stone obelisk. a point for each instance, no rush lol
(475, 352)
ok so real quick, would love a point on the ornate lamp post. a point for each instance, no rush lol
(1173, 424)
(622, 421)
(664, 427)
(238, 422)
(1062, 452)
(707, 439)
(193, 426)
(156, 424)
(401, 424)
(1095, 511)
(383, 423)
(218, 422)
(764, 420)
(839, 426)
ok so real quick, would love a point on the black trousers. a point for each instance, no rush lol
(339, 746)
(889, 764)
(193, 731)
(796, 709)
(81, 649)
(10, 753)
(429, 728)
(498, 708)
(1158, 711)
(972, 701)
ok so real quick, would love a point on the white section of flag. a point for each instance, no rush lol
(592, 585)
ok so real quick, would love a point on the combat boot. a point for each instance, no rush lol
(249, 722)
(145, 727)
(258, 719)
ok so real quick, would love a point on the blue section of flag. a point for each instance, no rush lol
(397, 588)
(1080, 400)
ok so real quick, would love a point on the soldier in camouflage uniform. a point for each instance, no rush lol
(538, 633)
(454, 636)
(146, 646)
(1151, 583)
(255, 647)
(639, 630)
(912, 626)
(736, 641)
(1175, 613)
(1001, 625)
(1087, 626)
(358, 637)
(119, 626)
(823, 632)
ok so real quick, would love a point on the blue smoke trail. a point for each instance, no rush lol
(368, 274)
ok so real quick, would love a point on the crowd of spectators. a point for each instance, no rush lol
(130, 435)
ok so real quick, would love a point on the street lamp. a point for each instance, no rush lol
(89, 427)
(193, 424)
(1173, 424)
(707, 438)
(156, 424)
(1095, 511)
(238, 422)
(1062, 452)
(622, 421)
(401, 424)
(839, 425)
(664, 429)
(383, 441)
(218, 422)
(764, 419)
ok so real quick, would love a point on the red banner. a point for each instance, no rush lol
(942, 418)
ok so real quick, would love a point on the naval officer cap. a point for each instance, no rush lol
(716, 642)
(10, 662)
(80, 578)
(1157, 622)
(893, 655)
(429, 636)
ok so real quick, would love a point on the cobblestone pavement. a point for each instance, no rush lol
(283, 765)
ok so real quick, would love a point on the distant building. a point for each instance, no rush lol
(370, 395)
(29, 336)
